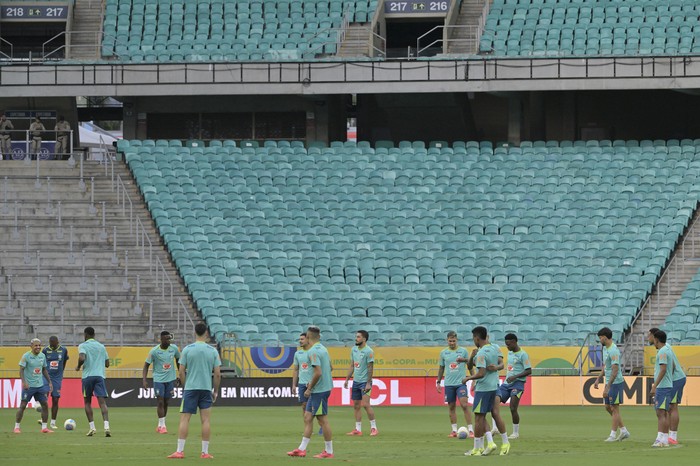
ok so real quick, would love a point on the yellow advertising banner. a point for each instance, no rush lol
(688, 357)
(395, 361)
(123, 361)
(573, 391)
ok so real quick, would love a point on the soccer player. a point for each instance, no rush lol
(452, 364)
(486, 385)
(32, 371)
(93, 358)
(662, 388)
(56, 360)
(361, 371)
(614, 384)
(301, 372)
(197, 363)
(164, 357)
(519, 369)
(679, 380)
(317, 390)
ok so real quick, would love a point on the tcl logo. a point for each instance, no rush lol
(380, 393)
(53, 363)
(453, 365)
(304, 366)
(37, 370)
(357, 364)
(167, 366)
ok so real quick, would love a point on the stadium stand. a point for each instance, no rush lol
(218, 30)
(683, 323)
(585, 28)
(547, 239)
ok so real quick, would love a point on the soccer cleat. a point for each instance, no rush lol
(162, 430)
(494, 431)
(453, 434)
(178, 455)
(505, 449)
(108, 433)
(671, 441)
(46, 431)
(324, 454)
(659, 444)
(471, 434)
(474, 452)
(491, 447)
(53, 426)
(206, 456)
(513, 436)
(373, 432)
(17, 431)
(611, 439)
(91, 432)
(297, 452)
(626, 435)
(355, 432)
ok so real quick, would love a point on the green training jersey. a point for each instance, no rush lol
(163, 360)
(199, 360)
(95, 357)
(360, 363)
(678, 373)
(455, 371)
(301, 360)
(664, 357)
(487, 355)
(611, 357)
(318, 357)
(33, 365)
(517, 363)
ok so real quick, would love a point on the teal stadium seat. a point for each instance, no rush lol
(426, 235)
(167, 31)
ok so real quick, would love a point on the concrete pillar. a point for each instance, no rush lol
(515, 113)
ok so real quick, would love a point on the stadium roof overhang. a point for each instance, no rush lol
(309, 78)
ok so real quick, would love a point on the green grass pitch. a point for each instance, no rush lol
(408, 436)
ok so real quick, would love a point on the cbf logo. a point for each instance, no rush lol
(273, 359)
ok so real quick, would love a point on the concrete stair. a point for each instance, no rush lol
(29, 306)
(85, 36)
(464, 39)
(356, 41)
(682, 267)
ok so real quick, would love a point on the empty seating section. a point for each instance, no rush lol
(548, 239)
(584, 27)
(683, 323)
(226, 30)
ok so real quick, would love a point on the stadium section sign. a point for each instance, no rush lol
(426, 8)
(33, 11)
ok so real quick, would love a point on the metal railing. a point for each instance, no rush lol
(43, 153)
(445, 42)
(53, 50)
(584, 355)
(4, 55)
(161, 275)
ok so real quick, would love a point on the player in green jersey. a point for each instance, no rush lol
(662, 388)
(614, 384)
(165, 359)
(452, 364)
(198, 362)
(33, 372)
(318, 391)
(488, 361)
(361, 371)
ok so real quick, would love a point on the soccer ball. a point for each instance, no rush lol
(69, 424)
(462, 433)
